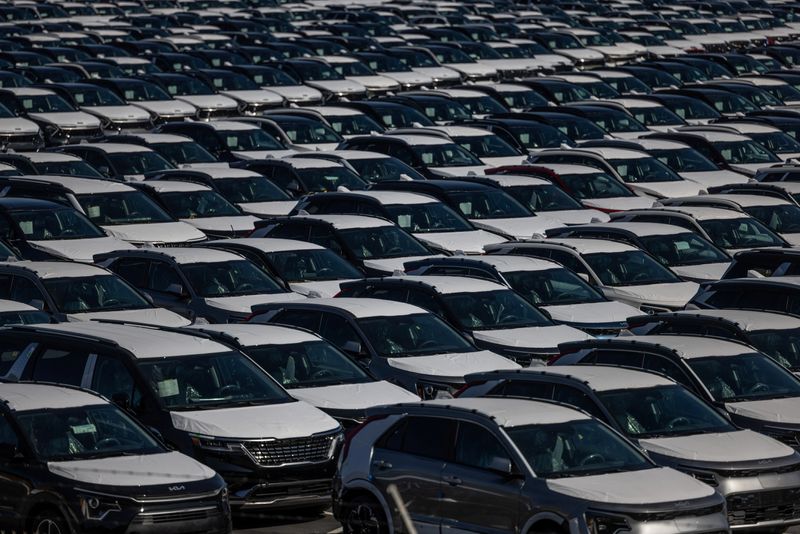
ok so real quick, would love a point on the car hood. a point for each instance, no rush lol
(662, 50)
(552, 59)
(751, 168)
(82, 250)
(531, 337)
(325, 289)
(581, 53)
(704, 271)
(473, 69)
(209, 101)
(452, 366)
(297, 93)
(168, 107)
(683, 188)
(236, 223)
(585, 216)
(619, 203)
(263, 154)
(18, 126)
(339, 86)
(410, 78)
(145, 470)
(519, 227)
(470, 242)
(592, 313)
(276, 207)
(245, 303)
(674, 295)
(382, 83)
(438, 73)
(772, 410)
(793, 239)
(154, 316)
(354, 396)
(119, 113)
(657, 485)
(255, 96)
(68, 119)
(165, 232)
(738, 446)
(277, 421)
(390, 265)
(460, 171)
(714, 178)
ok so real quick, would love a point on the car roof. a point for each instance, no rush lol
(58, 269)
(639, 229)
(269, 244)
(615, 153)
(447, 285)
(113, 148)
(690, 347)
(512, 180)
(714, 136)
(586, 246)
(143, 342)
(257, 334)
(746, 200)
(47, 157)
(25, 396)
(460, 131)
(173, 186)
(700, 213)
(599, 377)
(232, 125)
(396, 197)
(416, 140)
(569, 168)
(365, 307)
(747, 320)
(187, 255)
(80, 186)
(345, 222)
(310, 163)
(507, 412)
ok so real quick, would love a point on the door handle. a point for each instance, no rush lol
(452, 480)
(381, 464)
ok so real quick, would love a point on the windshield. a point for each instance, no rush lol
(383, 169)
(566, 92)
(740, 233)
(682, 249)
(657, 116)
(663, 411)
(629, 268)
(777, 142)
(745, 377)
(594, 39)
(577, 128)
(316, 71)
(543, 198)
(272, 78)
(578, 448)
(629, 84)
(440, 109)
(488, 204)
(183, 152)
(255, 139)
(309, 132)
(744, 152)
(525, 99)
(616, 121)
(487, 146)
(445, 155)
(24, 317)
(307, 365)
(691, 108)
(96, 97)
(312, 265)
(233, 82)
(684, 160)
(552, 287)
(254, 189)
(229, 279)
(565, 42)
(143, 92)
(353, 124)
(197, 204)
(139, 162)
(781, 218)
(489, 310)
(412, 335)
(381, 242)
(132, 207)
(540, 136)
(482, 105)
(186, 85)
(84, 432)
(782, 345)
(211, 381)
(67, 168)
(55, 224)
(45, 104)
(643, 170)
(595, 185)
(353, 68)
(88, 294)
(433, 217)
(451, 55)
(600, 89)
(732, 103)
(330, 179)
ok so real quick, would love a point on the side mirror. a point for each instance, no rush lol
(37, 303)
(177, 290)
(584, 277)
(105, 171)
(353, 347)
(148, 297)
(501, 465)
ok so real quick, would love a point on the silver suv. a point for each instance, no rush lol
(511, 465)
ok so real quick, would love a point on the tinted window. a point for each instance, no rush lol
(113, 380)
(302, 318)
(477, 447)
(611, 357)
(8, 436)
(659, 364)
(60, 366)
(426, 436)
(525, 389)
(575, 397)
(723, 298)
(134, 270)
(9, 353)
(338, 331)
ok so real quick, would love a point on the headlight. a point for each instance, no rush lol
(431, 390)
(650, 310)
(215, 444)
(97, 506)
(606, 524)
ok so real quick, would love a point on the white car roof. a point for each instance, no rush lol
(119, 148)
(690, 347)
(398, 197)
(568, 168)
(616, 153)
(701, 213)
(511, 180)
(311, 163)
(604, 378)
(367, 307)
(271, 244)
(575, 78)
(610, 73)
(255, 334)
(414, 140)
(48, 157)
(26, 397)
(61, 269)
(461, 130)
(345, 222)
(590, 246)
(447, 285)
(233, 125)
(751, 128)
(637, 103)
(141, 341)
(222, 173)
(168, 186)
(660, 144)
(189, 255)
(509, 412)
(14, 306)
(745, 200)
(83, 186)
(644, 229)
(509, 263)
(461, 93)
(162, 137)
(715, 137)
(750, 320)
(335, 111)
(353, 154)
(510, 87)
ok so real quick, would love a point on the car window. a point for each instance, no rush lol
(426, 300)
(430, 437)
(525, 389)
(290, 231)
(618, 357)
(8, 436)
(477, 447)
(659, 364)
(575, 397)
(309, 320)
(723, 298)
(25, 290)
(60, 366)
(9, 352)
(162, 275)
(113, 380)
(763, 300)
(5, 228)
(323, 236)
(134, 270)
(338, 331)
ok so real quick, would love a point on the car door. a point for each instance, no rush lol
(411, 456)
(15, 471)
(479, 493)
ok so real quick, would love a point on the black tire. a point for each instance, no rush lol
(49, 521)
(364, 515)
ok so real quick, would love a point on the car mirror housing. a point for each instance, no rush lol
(177, 290)
(353, 347)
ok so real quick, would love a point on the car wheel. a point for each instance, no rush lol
(49, 522)
(364, 516)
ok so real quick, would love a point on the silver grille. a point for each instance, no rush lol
(274, 453)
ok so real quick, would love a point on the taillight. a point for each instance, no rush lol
(554, 359)
(351, 433)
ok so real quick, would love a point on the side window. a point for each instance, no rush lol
(96, 160)
(569, 261)
(524, 389)
(309, 320)
(425, 300)
(161, 276)
(429, 437)
(621, 357)
(339, 205)
(323, 236)
(338, 331)
(24, 290)
(370, 209)
(60, 366)
(386, 293)
(8, 436)
(9, 352)
(659, 364)
(763, 300)
(113, 380)
(5, 286)
(723, 298)
(477, 447)
(134, 270)
(5, 228)
(290, 231)
(575, 397)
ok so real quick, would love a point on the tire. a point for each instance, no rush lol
(49, 522)
(364, 515)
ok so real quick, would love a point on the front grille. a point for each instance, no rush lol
(178, 516)
(675, 514)
(84, 132)
(279, 490)
(741, 473)
(787, 438)
(10, 139)
(278, 452)
(759, 507)
(139, 125)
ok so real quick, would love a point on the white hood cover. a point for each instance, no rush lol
(439, 73)
(471, 242)
(619, 203)
(705, 271)
(390, 265)
(381, 83)
(236, 223)
(738, 446)
(577, 216)
(715, 178)
(338, 86)
(82, 250)
(154, 316)
(262, 154)
(669, 295)
(478, 170)
(452, 366)
(278, 421)
(410, 78)
(209, 101)
(277, 207)
(166, 232)
(658, 485)
(18, 126)
(473, 69)
(773, 410)
(325, 289)
(354, 396)
(683, 188)
(141, 471)
(168, 107)
(581, 53)
(256, 96)
(592, 313)
(245, 303)
(68, 119)
(119, 113)
(751, 168)
(531, 337)
(297, 93)
(519, 227)
(793, 239)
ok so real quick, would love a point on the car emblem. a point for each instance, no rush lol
(177, 488)
(765, 461)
